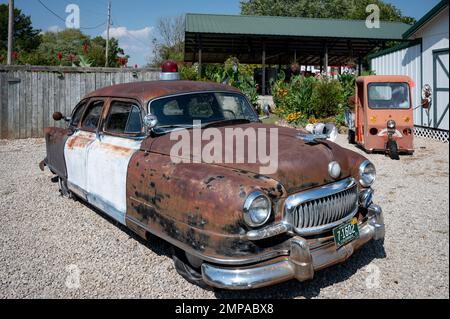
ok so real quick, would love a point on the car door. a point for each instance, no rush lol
(55, 140)
(77, 147)
(108, 157)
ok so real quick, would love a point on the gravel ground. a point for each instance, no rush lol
(53, 247)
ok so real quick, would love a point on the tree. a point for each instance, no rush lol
(74, 48)
(170, 42)
(336, 9)
(26, 38)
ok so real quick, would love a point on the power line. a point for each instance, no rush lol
(84, 9)
(128, 32)
(50, 10)
(64, 20)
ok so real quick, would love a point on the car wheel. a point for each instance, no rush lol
(189, 272)
(392, 150)
(351, 136)
(64, 189)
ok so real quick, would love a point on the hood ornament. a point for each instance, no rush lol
(312, 138)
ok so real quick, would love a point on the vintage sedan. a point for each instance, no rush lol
(230, 226)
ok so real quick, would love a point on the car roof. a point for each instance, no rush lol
(383, 78)
(149, 90)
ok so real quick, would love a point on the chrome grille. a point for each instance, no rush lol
(321, 209)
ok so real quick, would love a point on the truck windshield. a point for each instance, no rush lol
(210, 107)
(389, 96)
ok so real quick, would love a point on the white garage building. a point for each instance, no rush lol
(424, 57)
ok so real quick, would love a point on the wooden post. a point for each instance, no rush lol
(326, 58)
(264, 69)
(10, 31)
(107, 36)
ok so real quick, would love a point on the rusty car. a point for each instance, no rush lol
(230, 226)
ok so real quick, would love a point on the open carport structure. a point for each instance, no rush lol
(282, 40)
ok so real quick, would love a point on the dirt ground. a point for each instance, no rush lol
(52, 247)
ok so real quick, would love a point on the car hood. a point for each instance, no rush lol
(300, 165)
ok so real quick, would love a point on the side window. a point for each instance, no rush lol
(92, 116)
(124, 118)
(77, 113)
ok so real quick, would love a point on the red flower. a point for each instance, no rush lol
(70, 57)
(59, 56)
(85, 48)
(14, 55)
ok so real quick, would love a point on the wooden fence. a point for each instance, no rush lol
(29, 95)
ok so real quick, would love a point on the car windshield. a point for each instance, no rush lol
(389, 96)
(209, 107)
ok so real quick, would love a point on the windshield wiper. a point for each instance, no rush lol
(229, 121)
(168, 128)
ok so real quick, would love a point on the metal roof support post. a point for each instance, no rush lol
(359, 65)
(200, 56)
(325, 57)
(200, 61)
(263, 92)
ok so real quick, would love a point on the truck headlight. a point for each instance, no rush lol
(391, 124)
(367, 173)
(257, 209)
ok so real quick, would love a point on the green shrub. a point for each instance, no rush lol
(188, 73)
(242, 79)
(347, 81)
(294, 97)
(327, 98)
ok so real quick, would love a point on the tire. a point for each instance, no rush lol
(186, 270)
(392, 150)
(351, 136)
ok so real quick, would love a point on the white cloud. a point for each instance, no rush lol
(136, 43)
(54, 28)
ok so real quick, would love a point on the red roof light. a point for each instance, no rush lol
(169, 67)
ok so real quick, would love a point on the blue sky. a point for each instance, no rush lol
(134, 20)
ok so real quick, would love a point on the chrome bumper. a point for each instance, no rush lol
(300, 264)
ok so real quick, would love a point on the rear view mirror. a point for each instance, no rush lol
(57, 116)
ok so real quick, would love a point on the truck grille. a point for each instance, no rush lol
(319, 210)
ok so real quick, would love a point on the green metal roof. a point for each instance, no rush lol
(426, 18)
(398, 47)
(289, 26)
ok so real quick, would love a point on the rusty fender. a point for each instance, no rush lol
(197, 206)
(55, 139)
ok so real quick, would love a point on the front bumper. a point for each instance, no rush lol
(300, 264)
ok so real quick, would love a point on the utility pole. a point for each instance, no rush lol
(107, 34)
(10, 31)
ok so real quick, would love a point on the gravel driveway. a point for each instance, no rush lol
(53, 247)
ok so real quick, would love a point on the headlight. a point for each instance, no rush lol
(391, 124)
(257, 209)
(367, 174)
